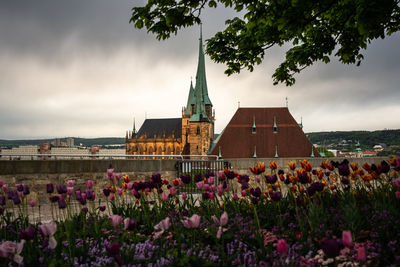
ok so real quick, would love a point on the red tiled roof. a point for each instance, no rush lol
(238, 141)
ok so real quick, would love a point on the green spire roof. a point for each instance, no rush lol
(201, 82)
(255, 152)
(191, 99)
(276, 152)
(200, 91)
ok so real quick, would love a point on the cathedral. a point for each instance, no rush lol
(192, 134)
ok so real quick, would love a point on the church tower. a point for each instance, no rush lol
(197, 117)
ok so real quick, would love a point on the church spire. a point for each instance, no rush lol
(201, 82)
(134, 128)
(200, 90)
(191, 99)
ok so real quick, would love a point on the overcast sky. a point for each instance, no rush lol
(78, 68)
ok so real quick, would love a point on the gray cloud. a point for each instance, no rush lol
(78, 68)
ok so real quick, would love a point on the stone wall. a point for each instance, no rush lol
(37, 173)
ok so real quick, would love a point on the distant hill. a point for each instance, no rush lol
(84, 141)
(366, 138)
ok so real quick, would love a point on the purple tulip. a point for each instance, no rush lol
(53, 199)
(26, 190)
(20, 187)
(78, 194)
(62, 189)
(2, 200)
(186, 179)
(28, 233)
(61, 203)
(276, 196)
(106, 192)
(50, 188)
(102, 208)
(90, 195)
(16, 200)
(331, 248)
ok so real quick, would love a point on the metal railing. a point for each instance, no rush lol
(199, 168)
(100, 156)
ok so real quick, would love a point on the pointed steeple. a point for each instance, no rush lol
(275, 127)
(301, 123)
(312, 152)
(200, 90)
(191, 99)
(219, 153)
(276, 152)
(134, 128)
(201, 82)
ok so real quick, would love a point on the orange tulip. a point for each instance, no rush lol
(324, 164)
(320, 174)
(165, 181)
(306, 165)
(354, 166)
(292, 165)
(126, 179)
(272, 165)
(258, 168)
(175, 182)
(366, 166)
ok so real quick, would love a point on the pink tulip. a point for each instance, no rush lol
(115, 220)
(117, 176)
(210, 180)
(200, 185)
(192, 222)
(220, 189)
(83, 195)
(9, 248)
(48, 229)
(213, 187)
(172, 191)
(243, 193)
(1, 183)
(70, 183)
(130, 185)
(184, 195)
(221, 222)
(397, 194)
(112, 198)
(347, 239)
(5, 187)
(181, 183)
(206, 187)
(89, 184)
(235, 196)
(32, 203)
(221, 175)
(211, 195)
(110, 173)
(163, 225)
(396, 182)
(70, 190)
(282, 246)
(119, 191)
(164, 196)
(361, 255)
(258, 179)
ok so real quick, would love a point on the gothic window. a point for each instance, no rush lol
(198, 130)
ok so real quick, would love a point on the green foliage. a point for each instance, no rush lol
(313, 28)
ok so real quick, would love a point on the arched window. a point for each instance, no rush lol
(198, 130)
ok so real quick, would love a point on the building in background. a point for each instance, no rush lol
(70, 142)
(263, 133)
(192, 134)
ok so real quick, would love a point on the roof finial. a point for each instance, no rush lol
(254, 129)
(301, 122)
(312, 152)
(287, 102)
(255, 152)
(238, 104)
(275, 127)
(276, 151)
(219, 153)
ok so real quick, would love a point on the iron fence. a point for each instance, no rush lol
(198, 170)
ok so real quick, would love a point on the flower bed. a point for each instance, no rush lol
(335, 213)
